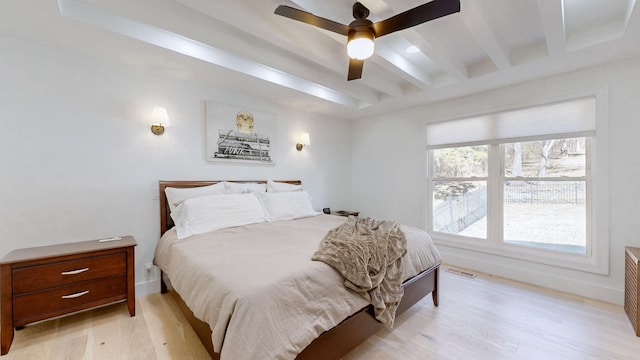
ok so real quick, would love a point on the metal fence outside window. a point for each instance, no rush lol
(457, 212)
(544, 192)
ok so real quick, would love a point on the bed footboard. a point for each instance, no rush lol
(344, 337)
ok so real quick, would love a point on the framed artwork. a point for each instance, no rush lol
(239, 134)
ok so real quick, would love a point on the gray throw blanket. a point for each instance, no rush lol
(368, 254)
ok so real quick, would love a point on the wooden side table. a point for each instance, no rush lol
(632, 286)
(44, 282)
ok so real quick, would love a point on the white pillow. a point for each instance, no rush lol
(175, 196)
(213, 212)
(243, 188)
(286, 205)
(273, 186)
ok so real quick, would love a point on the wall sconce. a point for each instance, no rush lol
(303, 141)
(159, 119)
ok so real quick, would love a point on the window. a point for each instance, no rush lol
(516, 183)
(544, 194)
(460, 190)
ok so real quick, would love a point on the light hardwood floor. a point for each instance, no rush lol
(481, 318)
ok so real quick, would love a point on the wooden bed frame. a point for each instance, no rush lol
(332, 344)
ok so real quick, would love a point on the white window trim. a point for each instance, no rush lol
(597, 258)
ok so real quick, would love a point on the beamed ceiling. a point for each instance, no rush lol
(244, 47)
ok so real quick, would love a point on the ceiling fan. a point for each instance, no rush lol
(361, 32)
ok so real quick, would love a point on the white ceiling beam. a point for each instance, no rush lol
(269, 31)
(395, 63)
(374, 81)
(445, 61)
(91, 15)
(407, 70)
(474, 18)
(629, 12)
(412, 73)
(552, 14)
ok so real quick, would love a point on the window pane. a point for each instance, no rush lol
(546, 158)
(468, 161)
(546, 214)
(460, 208)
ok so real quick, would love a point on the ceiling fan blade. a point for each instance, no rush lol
(305, 17)
(418, 15)
(355, 69)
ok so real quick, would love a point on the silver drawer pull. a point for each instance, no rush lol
(76, 295)
(73, 272)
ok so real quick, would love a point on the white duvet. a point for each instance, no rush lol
(258, 289)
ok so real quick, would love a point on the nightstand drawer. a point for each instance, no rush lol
(34, 278)
(44, 304)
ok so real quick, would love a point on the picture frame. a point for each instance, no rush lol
(238, 134)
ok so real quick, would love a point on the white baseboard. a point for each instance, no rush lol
(556, 282)
(146, 288)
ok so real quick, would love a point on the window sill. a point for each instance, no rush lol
(586, 263)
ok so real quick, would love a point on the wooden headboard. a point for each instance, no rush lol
(166, 222)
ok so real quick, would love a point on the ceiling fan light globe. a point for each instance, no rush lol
(360, 48)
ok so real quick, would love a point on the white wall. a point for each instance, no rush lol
(78, 161)
(389, 160)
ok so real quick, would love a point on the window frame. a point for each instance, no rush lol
(587, 178)
(596, 259)
(485, 178)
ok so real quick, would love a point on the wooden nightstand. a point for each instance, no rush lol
(44, 282)
(345, 213)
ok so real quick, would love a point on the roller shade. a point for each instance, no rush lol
(575, 118)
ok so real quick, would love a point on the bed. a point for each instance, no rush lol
(350, 330)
